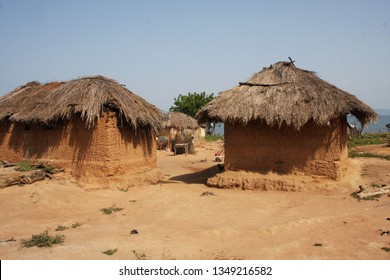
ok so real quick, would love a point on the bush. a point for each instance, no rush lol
(110, 210)
(48, 169)
(61, 228)
(110, 252)
(43, 240)
(75, 225)
(24, 166)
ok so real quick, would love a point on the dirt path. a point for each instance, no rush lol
(174, 220)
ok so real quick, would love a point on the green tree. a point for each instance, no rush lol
(191, 103)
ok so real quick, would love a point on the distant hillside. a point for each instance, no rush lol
(383, 112)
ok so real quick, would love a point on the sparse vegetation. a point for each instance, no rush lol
(8, 240)
(318, 245)
(139, 256)
(110, 252)
(61, 228)
(24, 166)
(110, 210)
(49, 169)
(353, 154)
(207, 193)
(370, 197)
(123, 189)
(221, 255)
(209, 138)
(43, 240)
(386, 249)
(75, 225)
(368, 139)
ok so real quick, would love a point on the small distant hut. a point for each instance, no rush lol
(181, 128)
(101, 132)
(286, 120)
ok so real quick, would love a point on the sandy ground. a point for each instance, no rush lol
(174, 220)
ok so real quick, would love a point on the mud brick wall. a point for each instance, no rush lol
(110, 149)
(313, 150)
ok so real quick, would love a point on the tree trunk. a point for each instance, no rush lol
(23, 179)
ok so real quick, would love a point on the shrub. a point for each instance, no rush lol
(24, 166)
(110, 210)
(110, 252)
(61, 228)
(370, 197)
(43, 240)
(48, 169)
(75, 225)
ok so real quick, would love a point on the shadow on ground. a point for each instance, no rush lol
(199, 177)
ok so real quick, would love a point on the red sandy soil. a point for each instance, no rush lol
(174, 220)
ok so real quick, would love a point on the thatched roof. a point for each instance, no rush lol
(86, 97)
(179, 120)
(283, 93)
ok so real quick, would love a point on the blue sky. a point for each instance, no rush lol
(160, 49)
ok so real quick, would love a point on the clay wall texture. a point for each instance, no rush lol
(110, 149)
(313, 150)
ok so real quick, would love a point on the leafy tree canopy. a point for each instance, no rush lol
(191, 103)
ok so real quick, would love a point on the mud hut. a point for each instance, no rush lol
(286, 120)
(101, 132)
(181, 128)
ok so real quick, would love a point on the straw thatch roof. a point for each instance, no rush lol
(283, 93)
(86, 97)
(179, 120)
